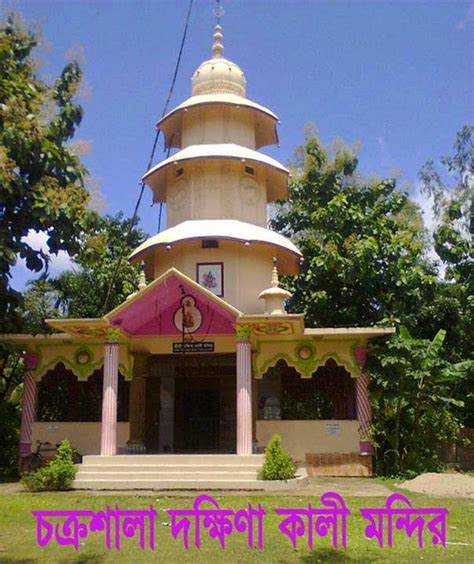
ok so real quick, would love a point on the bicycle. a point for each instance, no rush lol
(33, 461)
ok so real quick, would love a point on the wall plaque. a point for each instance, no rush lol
(193, 346)
(332, 428)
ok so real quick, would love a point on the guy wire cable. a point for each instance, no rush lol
(142, 184)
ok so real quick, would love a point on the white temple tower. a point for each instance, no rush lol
(217, 188)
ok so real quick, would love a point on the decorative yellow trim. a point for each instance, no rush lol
(126, 362)
(269, 352)
(112, 336)
(243, 332)
(51, 355)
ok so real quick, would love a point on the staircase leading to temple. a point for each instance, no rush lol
(170, 472)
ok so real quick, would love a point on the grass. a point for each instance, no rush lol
(18, 533)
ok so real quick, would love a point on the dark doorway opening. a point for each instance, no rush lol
(197, 414)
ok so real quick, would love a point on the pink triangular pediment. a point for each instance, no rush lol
(171, 306)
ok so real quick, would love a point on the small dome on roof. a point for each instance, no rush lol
(218, 75)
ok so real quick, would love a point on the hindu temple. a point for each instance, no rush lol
(203, 359)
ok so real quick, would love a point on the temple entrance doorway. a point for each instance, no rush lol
(205, 406)
(190, 404)
(197, 415)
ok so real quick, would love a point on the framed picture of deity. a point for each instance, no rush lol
(211, 276)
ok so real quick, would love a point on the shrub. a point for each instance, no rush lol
(9, 437)
(58, 474)
(278, 464)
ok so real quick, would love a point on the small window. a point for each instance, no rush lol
(250, 170)
(180, 171)
(210, 244)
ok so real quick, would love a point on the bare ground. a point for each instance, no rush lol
(441, 485)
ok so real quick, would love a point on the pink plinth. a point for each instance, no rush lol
(25, 449)
(28, 411)
(244, 398)
(366, 448)
(108, 440)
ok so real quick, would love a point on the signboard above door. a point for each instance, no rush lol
(193, 346)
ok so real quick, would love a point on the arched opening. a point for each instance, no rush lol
(328, 394)
(313, 416)
(62, 397)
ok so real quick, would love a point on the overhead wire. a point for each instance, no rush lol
(150, 162)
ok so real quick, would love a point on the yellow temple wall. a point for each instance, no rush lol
(247, 270)
(218, 124)
(216, 189)
(301, 437)
(84, 436)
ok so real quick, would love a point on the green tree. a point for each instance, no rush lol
(11, 369)
(41, 180)
(77, 293)
(81, 292)
(414, 399)
(452, 191)
(366, 262)
(39, 303)
(451, 185)
(362, 242)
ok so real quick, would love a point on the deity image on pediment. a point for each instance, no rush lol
(188, 317)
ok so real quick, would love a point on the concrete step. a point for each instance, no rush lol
(174, 459)
(176, 484)
(171, 468)
(169, 471)
(193, 476)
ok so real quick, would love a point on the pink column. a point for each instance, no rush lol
(244, 397)
(108, 440)
(364, 413)
(28, 404)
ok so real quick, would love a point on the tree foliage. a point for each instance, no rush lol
(81, 292)
(366, 262)
(415, 402)
(9, 438)
(453, 194)
(41, 180)
(364, 256)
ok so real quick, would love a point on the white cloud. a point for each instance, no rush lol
(38, 240)
(426, 207)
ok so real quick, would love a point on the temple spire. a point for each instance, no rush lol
(217, 45)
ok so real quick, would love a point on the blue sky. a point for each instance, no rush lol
(396, 76)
